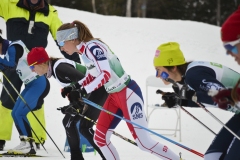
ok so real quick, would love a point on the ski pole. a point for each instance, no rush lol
(31, 111)
(162, 93)
(227, 128)
(115, 133)
(194, 99)
(14, 102)
(128, 121)
(198, 120)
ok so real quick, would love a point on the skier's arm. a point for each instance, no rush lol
(101, 64)
(201, 81)
(15, 52)
(68, 74)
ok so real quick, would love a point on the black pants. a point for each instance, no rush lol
(6, 100)
(225, 143)
(69, 122)
(12, 75)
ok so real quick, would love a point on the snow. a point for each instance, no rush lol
(134, 41)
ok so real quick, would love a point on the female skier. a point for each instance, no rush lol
(200, 78)
(125, 97)
(66, 72)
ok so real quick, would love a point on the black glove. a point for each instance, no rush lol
(170, 99)
(73, 108)
(159, 91)
(83, 93)
(66, 90)
(74, 96)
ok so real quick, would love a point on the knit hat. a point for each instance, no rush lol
(168, 54)
(230, 30)
(37, 55)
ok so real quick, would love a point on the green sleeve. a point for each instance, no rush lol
(81, 68)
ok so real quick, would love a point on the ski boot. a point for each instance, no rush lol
(27, 146)
(2, 144)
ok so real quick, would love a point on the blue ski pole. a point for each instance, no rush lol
(159, 135)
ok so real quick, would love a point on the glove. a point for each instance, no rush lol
(66, 90)
(74, 96)
(223, 99)
(170, 99)
(159, 91)
(68, 110)
(72, 109)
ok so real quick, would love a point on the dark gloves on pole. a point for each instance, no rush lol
(170, 99)
(74, 96)
(66, 90)
(75, 105)
(72, 109)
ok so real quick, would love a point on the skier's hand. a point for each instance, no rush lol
(223, 98)
(66, 90)
(64, 109)
(170, 99)
(159, 91)
(74, 96)
(72, 109)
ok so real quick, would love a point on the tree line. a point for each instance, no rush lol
(208, 11)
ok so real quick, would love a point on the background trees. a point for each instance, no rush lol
(207, 11)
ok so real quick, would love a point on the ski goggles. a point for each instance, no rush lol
(231, 46)
(31, 66)
(164, 75)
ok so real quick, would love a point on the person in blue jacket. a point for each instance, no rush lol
(197, 79)
(36, 89)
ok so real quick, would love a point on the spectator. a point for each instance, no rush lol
(29, 21)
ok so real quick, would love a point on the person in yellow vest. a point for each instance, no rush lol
(29, 21)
